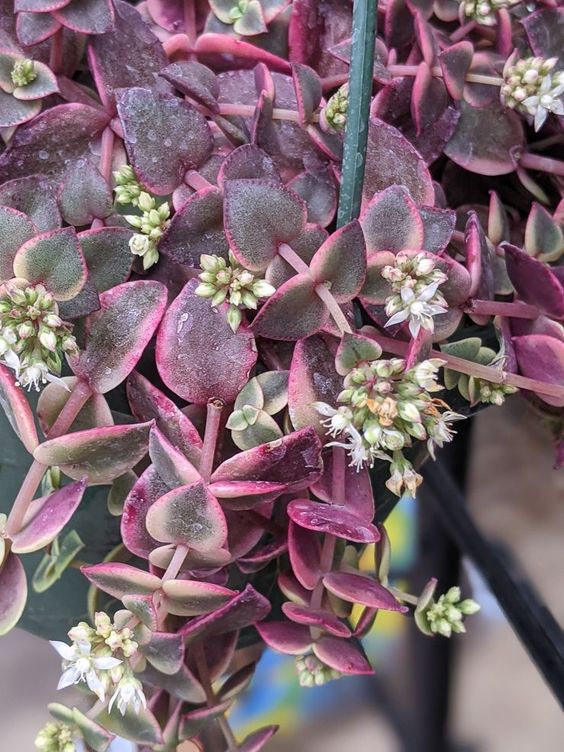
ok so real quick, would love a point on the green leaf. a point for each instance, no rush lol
(274, 385)
(354, 350)
(140, 728)
(94, 735)
(52, 565)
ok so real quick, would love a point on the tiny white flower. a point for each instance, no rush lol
(129, 692)
(80, 666)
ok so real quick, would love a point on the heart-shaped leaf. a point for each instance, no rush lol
(342, 655)
(118, 579)
(357, 588)
(13, 592)
(84, 194)
(355, 350)
(333, 519)
(35, 197)
(119, 332)
(188, 516)
(164, 137)
(340, 263)
(100, 454)
(285, 637)
(186, 362)
(319, 192)
(193, 598)
(33, 28)
(16, 111)
(544, 28)
(53, 513)
(170, 465)
(259, 215)
(165, 651)
(55, 260)
(107, 255)
(391, 222)
(325, 620)
(307, 86)
(534, 281)
(15, 229)
(249, 607)
(17, 410)
(144, 493)
(247, 162)
(277, 318)
(195, 80)
(87, 16)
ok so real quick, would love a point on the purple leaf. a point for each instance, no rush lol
(541, 357)
(84, 194)
(33, 196)
(315, 27)
(376, 289)
(195, 80)
(182, 685)
(245, 163)
(105, 55)
(325, 620)
(17, 410)
(169, 463)
(52, 140)
(340, 263)
(33, 28)
(256, 741)
(304, 549)
(195, 721)
(241, 611)
(164, 137)
(285, 637)
(455, 63)
(53, 513)
(144, 493)
(543, 235)
(100, 454)
(259, 215)
(15, 229)
(391, 221)
(438, 226)
(16, 111)
(187, 363)
(193, 598)
(357, 588)
(165, 651)
(534, 281)
(358, 497)
(307, 85)
(188, 516)
(428, 99)
(319, 192)
(39, 6)
(544, 31)
(342, 655)
(119, 332)
(478, 261)
(87, 16)
(107, 255)
(95, 413)
(13, 592)
(148, 403)
(143, 607)
(333, 519)
(119, 579)
(196, 228)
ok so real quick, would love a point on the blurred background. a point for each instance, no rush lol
(498, 701)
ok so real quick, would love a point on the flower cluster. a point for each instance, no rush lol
(445, 615)
(232, 283)
(93, 658)
(152, 222)
(533, 87)
(313, 673)
(385, 407)
(23, 72)
(484, 12)
(333, 116)
(33, 336)
(55, 737)
(416, 298)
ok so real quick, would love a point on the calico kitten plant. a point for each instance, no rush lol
(250, 383)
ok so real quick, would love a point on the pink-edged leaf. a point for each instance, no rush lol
(285, 637)
(325, 620)
(52, 140)
(280, 271)
(189, 516)
(255, 742)
(169, 463)
(17, 410)
(164, 137)
(33, 28)
(195, 80)
(144, 493)
(55, 260)
(182, 685)
(313, 378)
(304, 549)
(84, 194)
(277, 319)
(105, 55)
(195, 721)
(87, 16)
(243, 534)
(119, 579)
(357, 588)
(332, 518)
(13, 592)
(196, 228)
(259, 215)
(149, 403)
(318, 190)
(100, 454)
(340, 263)
(455, 63)
(392, 160)
(544, 236)
(307, 85)
(245, 163)
(38, 6)
(188, 364)
(541, 357)
(316, 26)
(53, 513)
(139, 727)
(438, 226)
(294, 460)
(234, 489)
(237, 682)
(478, 261)
(15, 229)
(428, 99)
(86, 302)
(342, 655)
(239, 51)
(391, 221)
(107, 255)
(249, 607)
(193, 598)
(16, 111)
(456, 289)
(291, 589)
(43, 85)
(162, 556)
(119, 332)
(544, 31)
(534, 281)
(485, 138)
(35, 197)
(143, 607)
(165, 651)
(376, 289)
(358, 498)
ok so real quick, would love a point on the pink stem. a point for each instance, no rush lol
(515, 309)
(213, 422)
(472, 78)
(247, 110)
(462, 32)
(544, 164)
(107, 153)
(196, 181)
(190, 21)
(56, 52)
(177, 43)
(73, 406)
(175, 563)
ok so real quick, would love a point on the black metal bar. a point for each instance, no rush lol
(529, 617)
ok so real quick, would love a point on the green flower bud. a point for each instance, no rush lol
(234, 317)
(23, 72)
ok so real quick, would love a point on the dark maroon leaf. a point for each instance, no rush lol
(342, 655)
(325, 620)
(534, 281)
(358, 588)
(332, 518)
(144, 493)
(243, 610)
(305, 555)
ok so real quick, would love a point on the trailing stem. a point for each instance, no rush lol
(516, 309)
(204, 677)
(543, 164)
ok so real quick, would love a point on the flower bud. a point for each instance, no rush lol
(234, 317)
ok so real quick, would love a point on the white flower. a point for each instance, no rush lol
(547, 100)
(35, 375)
(139, 244)
(419, 308)
(338, 420)
(439, 430)
(129, 692)
(79, 665)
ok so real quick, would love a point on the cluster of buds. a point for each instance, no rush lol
(55, 737)
(416, 297)
(100, 657)
(333, 116)
(493, 394)
(445, 615)
(483, 12)
(151, 223)
(23, 72)
(385, 407)
(532, 87)
(231, 283)
(238, 9)
(32, 334)
(313, 673)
